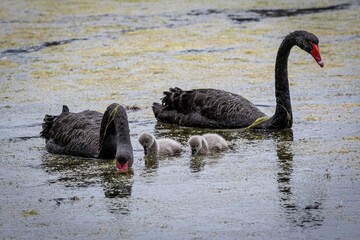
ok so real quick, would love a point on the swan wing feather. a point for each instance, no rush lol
(206, 108)
(75, 134)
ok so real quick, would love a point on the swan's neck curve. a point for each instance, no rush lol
(154, 148)
(204, 145)
(283, 113)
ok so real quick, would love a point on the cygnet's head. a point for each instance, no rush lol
(195, 143)
(146, 140)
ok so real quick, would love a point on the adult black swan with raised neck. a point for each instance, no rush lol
(91, 134)
(211, 108)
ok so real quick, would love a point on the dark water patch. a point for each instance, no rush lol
(206, 12)
(116, 185)
(248, 15)
(298, 11)
(119, 208)
(4, 21)
(138, 29)
(60, 201)
(41, 46)
(20, 139)
(243, 19)
(266, 13)
(309, 218)
(206, 50)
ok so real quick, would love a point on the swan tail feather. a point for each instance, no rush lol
(47, 125)
(49, 122)
(65, 109)
(164, 115)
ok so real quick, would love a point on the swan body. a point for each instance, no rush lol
(206, 143)
(159, 147)
(212, 108)
(90, 134)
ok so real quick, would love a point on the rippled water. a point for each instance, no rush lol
(299, 184)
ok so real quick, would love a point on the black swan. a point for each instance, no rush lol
(90, 134)
(211, 108)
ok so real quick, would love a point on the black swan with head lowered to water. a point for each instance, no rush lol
(91, 134)
(211, 108)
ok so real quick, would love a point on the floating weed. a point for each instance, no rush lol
(352, 138)
(8, 64)
(196, 58)
(346, 150)
(312, 118)
(28, 213)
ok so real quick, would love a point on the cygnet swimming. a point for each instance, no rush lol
(159, 147)
(207, 143)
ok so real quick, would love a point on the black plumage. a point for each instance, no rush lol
(90, 134)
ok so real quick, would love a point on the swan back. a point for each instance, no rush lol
(73, 133)
(208, 108)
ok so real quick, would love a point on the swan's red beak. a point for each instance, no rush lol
(122, 168)
(315, 52)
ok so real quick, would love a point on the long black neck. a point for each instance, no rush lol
(122, 128)
(283, 113)
(114, 131)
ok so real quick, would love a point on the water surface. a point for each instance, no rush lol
(300, 184)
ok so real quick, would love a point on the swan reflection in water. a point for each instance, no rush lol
(81, 172)
(302, 206)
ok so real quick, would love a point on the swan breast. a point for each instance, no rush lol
(75, 134)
